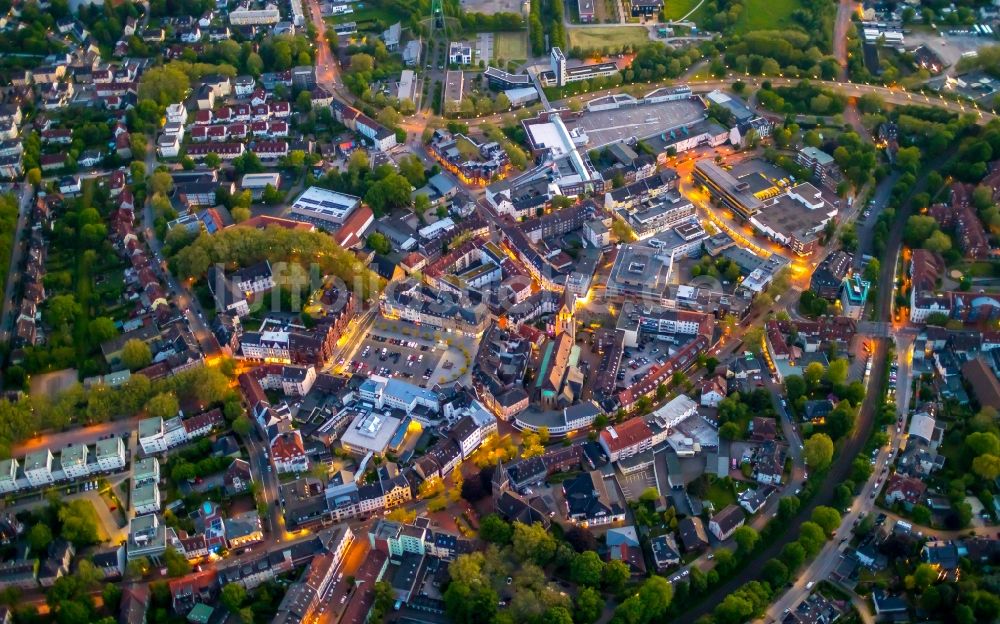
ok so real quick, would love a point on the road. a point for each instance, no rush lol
(892, 95)
(9, 313)
(864, 503)
(76, 436)
(326, 64)
(260, 465)
(182, 295)
(845, 9)
(841, 468)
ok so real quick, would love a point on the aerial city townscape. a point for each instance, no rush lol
(499, 311)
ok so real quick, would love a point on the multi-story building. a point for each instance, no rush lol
(727, 190)
(245, 16)
(413, 301)
(829, 276)
(289, 453)
(110, 453)
(147, 537)
(38, 468)
(145, 498)
(157, 435)
(821, 164)
(397, 394)
(323, 208)
(8, 475)
(73, 460)
(854, 295)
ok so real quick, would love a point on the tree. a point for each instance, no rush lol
(411, 168)
(163, 405)
(918, 229)
(232, 596)
(389, 193)
(826, 517)
(502, 103)
(818, 451)
(160, 183)
(496, 530)
(361, 63)
(730, 431)
(177, 564)
(813, 374)
(923, 577)
(921, 514)
(746, 538)
(793, 555)
(649, 604)
(421, 204)
(795, 387)
(112, 596)
(102, 329)
(61, 309)
(271, 195)
(78, 522)
(775, 573)
(616, 573)
(836, 372)
(467, 604)
(136, 354)
(39, 538)
(981, 443)
(589, 606)
(379, 243)
(938, 242)
(840, 421)
(532, 542)
(733, 610)
(987, 466)
(586, 568)
(164, 85)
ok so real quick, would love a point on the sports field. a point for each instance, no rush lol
(614, 36)
(510, 45)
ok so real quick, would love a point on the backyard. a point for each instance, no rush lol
(613, 36)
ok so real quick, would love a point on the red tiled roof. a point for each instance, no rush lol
(349, 234)
(288, 446)
(627, 434)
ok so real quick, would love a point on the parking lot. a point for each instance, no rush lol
(412, 359)
(638, 361)
(634, 484)
(607, 126)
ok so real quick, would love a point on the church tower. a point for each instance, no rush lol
(501, 482)
(566, 319)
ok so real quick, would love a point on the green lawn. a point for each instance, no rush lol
(91, 513)
(365, 16)
(766, 15)
(614, 36)
(677, 9)
(980, 269)
(720, 494)
(510, 45)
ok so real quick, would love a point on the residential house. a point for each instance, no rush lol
(725, 522)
